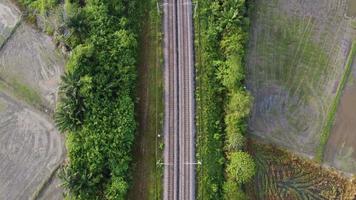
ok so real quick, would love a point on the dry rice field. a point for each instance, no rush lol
(31, 148)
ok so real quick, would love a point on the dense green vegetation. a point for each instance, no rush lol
(38, 6)
(222, 102)
(96, 109)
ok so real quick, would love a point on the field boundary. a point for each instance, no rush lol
(333, 109)
(12, 32)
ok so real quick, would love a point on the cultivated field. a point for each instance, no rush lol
(297, 53)
(29, 59)
(341, 148)
(9, 19)
(283, 176)
(31, 148)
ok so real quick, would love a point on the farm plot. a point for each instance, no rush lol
(283, 176)
(30, 64)
(295, 61)
(340, 150)
(30, 149)
(351, 11)
(9, 19)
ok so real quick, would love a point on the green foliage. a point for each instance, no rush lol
(41, 6)
(70, 111)
(96, 106)
(237, 110)
(100, 152)
(241, 167)
(25, 92)
(28, 94)
(222, 102)
(232, 190)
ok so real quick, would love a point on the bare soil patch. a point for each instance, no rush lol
(351, 11)
(30, 59)
(341, 148)
(53, 191)
(9, 18)
(30, 149)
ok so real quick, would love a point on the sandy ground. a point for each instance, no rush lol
(30, 146)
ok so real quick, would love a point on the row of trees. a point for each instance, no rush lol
(222, 33)
(96, 108)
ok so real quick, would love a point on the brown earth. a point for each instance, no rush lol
(282, 175)
(340, 151)
(146, 173)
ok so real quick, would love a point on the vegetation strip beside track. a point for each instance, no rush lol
(148, 173)
(333, 108)
(223, 104)
(97, 105)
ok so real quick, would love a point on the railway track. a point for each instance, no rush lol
(179, 125)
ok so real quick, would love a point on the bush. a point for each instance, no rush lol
(233, 191)
(241, 167)
(223, 104)
(96, 106)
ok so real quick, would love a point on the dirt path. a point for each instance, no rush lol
(147, 174)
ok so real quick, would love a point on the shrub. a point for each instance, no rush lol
(241, 167)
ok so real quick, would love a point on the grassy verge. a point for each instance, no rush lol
(209, 119)
(333, 108)
(147, 177)
(223, 104)
(23, 92)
